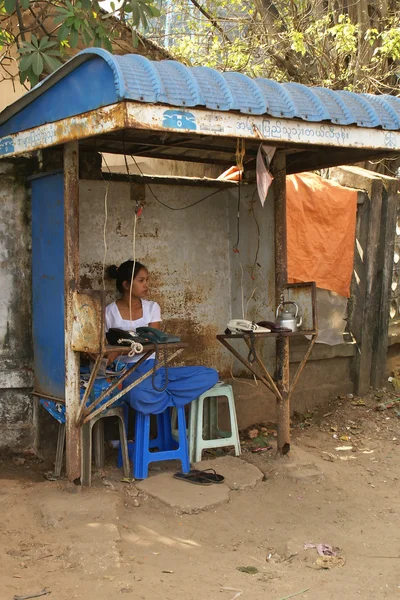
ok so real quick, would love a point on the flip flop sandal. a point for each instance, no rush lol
(211, 475)
(195, 478)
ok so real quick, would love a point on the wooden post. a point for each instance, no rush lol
(71, 278)
(384, 279)
(365, 305)
(282, 343)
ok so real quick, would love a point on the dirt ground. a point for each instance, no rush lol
(112, 541)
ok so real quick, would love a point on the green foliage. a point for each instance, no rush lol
(35, 56)
(44, 33)
(341, 45)
(337, 44)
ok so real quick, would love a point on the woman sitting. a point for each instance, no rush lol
(179, 385)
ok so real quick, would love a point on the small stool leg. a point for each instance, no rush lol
(174, 423)
(98, 435)
(160, 441)
(86, 476)
(142, 429)
(213, 408)
(120, 461)
(60, 450)
(192, 429)
(126, 418)
(199, 429)
(123, 445)
(183, 441)
(169, 442)
(234, 425)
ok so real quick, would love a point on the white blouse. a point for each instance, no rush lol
(151, 314)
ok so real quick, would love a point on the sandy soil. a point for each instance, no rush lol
(112, 540)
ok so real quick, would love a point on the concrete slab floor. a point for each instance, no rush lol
(188, 498)
(238, 474)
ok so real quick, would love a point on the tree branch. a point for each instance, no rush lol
(20, 21)
(37, 19)
(212, 21)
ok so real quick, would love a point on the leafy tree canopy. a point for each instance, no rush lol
(39, 35)
(341, 44)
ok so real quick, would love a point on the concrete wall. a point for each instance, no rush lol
(16, 405)
(196, 277)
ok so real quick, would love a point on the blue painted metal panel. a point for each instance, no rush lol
(90, 85)
(48, 283)
(215, 91)
(362, 110)
(393, 101)
(307, 104)
(141, 79)
(277, 100)
(95, 78)
(180, 85)
(386, 113)
(338, 111)
(247, 95)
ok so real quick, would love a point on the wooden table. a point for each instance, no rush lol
(280, 386)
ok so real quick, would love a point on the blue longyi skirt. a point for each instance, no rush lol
(184, 385)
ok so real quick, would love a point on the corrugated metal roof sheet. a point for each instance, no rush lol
(169, 82)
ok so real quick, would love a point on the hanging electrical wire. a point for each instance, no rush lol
(135, 216)
(255, 262)
(107, 184)
(240, 154)
(174, 207)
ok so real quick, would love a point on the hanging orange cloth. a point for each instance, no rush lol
(321, 224)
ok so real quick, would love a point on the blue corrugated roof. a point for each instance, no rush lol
(95, 78)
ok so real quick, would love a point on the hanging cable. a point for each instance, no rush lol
(255, 262)
(107, 184)
(133, 240)
(133, 266)
(236, 245)
(105, 236)
(240, 153)
(173, 207)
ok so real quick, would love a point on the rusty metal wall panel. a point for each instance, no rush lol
(304, 294)
(95, 122)
(135, 115)
(48, 283)
(289, 132)
(88, 325)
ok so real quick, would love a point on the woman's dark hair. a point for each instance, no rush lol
(124, 272)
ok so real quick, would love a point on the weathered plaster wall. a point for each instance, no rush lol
(196, 277)
(328, 372)
(253, 266)
(186, 251)
(16, 405)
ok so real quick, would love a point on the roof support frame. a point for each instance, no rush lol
(212, 125)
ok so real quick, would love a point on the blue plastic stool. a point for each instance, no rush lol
(143, 457)
(163, 441)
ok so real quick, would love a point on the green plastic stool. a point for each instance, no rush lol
(203, 430)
